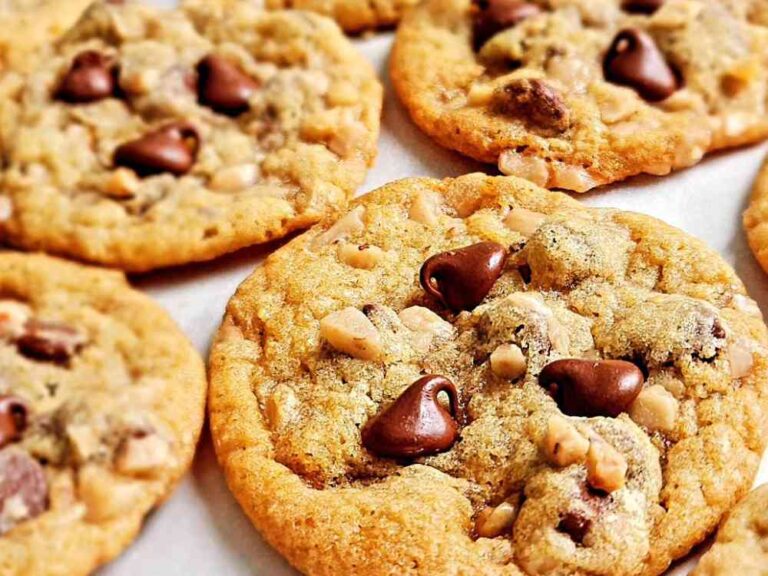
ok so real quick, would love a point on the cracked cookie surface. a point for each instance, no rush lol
(145, 142)
(101, 404)
(573, 94)
(480, 376)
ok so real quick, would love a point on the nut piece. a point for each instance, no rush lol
(351, 223)
(363, 256)
(350, 331)
(740, 358)
(606, 467)
(536, 101)
(13, 318)
(282, 407)
(425, 209)
(508, 361)
(563, 444)
(122, 183)
(493, 521)
(420, 319)
(531, 168)
(234, 178)
(140, 455)
(105, 495)
(84, 442)
(524, 221)
(655, 409)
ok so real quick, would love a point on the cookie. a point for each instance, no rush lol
(755, 218)
(742, 541)
(101, 404)
(146, 143)
(353, 16)
(26, 26)
(480, 376)
(573, 94)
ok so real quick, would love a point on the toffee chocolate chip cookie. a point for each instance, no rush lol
(352, 15)
(101, 404)
(756, 218)
(477, 376)
(144, 143)
(742, 541)
(26, 26)
(577, 93)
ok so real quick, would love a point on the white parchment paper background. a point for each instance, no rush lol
(201, 531)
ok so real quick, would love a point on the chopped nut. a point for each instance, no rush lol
(362, 256)
(13, 317)
(524, 221)
(351, 223)
(84, 442)
(420, 319)
(122, 183)
(573, 178)
(426, 208)
(536, 101)
(655, 409)
(106, 495)
(139, 455)
(282, 407)
(480, 94)
(532, 168)
(740, 358)
(558, 336)
(350, 331)
(746, 304)
(493, 521)
(234, 178)
(606, 467)
(573, 72)
(508, 361)
(563, 444)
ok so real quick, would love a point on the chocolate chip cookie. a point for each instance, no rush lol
(101, 404)
(755, 218)
(480, 376)
(573, 94)
(742, 541)
(353, 16)
(145, 142)
(27, 26)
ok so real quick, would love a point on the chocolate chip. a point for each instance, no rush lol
(493, 16)
(634, 60)
(537, 102)
(13, 419)
(641, 6)
(223, 87)
(49, 341)
(171, 149)
(416, 424)
(592, 387)
(22, 479)
(576, 525)
(717, 330)
(462, 278)
(90, 78)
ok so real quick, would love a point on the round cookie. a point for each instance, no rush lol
(742, 541)
(481, 376)
(26, 26)
(755, 218)
(353, 16)
(101, 404)
(146, 143)
(573, 94)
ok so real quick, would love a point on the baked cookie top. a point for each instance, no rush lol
(352, 15)
(577, 93)
(145, 143)
(101, 403)
(480, 376)
(742, 541)
(26, 26)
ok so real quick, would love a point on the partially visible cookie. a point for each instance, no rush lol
(741, 547)
(577, 93)
(28, 25)
(145, 142)
(101, 404)
(352, 15)
(478, 376)
(755, 218)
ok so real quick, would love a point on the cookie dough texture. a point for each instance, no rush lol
(534, 100)
(287, 406)
(352, 15)
(113, 424)
(301, 149)
(27, 26)
(742, 541)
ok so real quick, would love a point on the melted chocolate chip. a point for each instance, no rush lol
(416, 424)
(171, 149)
(22, 479)
(493, 16)
(592, 387)
(90, 78)
(13, 419)
(462, 278)
(576, 525)
(223, 87)
(49, 341)
(641, 6)
(634, 60)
